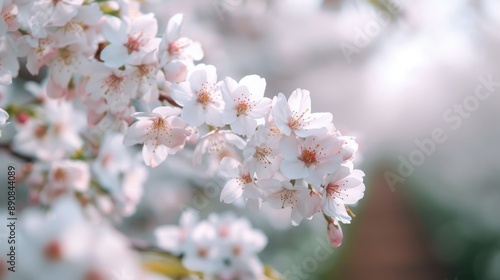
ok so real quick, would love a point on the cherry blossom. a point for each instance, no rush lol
(241, 182)
(296, 116)
(216, 141)
(131, 41)
(162, 132)
(245, 103)
(173, 46)
(115, 85)
(173, 238)
(200, 95)
(283, 194)
(53, 136)
(344, 187)
(310, 158)
(262, 153)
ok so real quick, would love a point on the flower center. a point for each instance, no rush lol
(133, 44)
(332, 190)
(288, 196)
(202, 252)
(59, 174)
(246, 179)
(40, 131)
(204, 98)
(114, 82)
(309, 157)
(93, 275)
(242, 109)
(53, 251)
(158, 123)
(175, 48)
(296, 120)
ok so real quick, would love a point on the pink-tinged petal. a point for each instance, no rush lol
(232, 191)
(137, 132)
(54, 90)
(261, 108)
(175, 71)
(254, 204)
(335, 235)
(329, 166)
(308, 204)
(300, 101)
(167, 111)
(337, 210)
(290, 147)
(229, 167)
(153, 154)
(173, 28)
(229, 115)
(296, 217)
(114, 55)
(181, 93)
(281, 114)
(244, 126)
(256, 86)
(175, 140)
(294, 169)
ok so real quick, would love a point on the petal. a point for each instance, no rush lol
(114, 55)
(231, 191)
(193, 114)
(173, 27)
(137, 132)
(290, 147)
(153, 154)
(281, 114)
(300, 101)
(294, 169)
(244, 126)
(229, 167)
(115, 30)
(256, 86)
(181, 93)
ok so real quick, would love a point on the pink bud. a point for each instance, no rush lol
(335, 234)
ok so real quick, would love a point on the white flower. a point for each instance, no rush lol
(112, 84)
(172, 238)
(342, 188)
(262, 153)
(309, 158)
(69, 174)
(241, 182)
(54, 136)
(162, 132)
(295, 116)
(202, 250)
(244, 103)
(130, 42)
(173, 46)
(282, 194)
(4, 116)
(216, 141)
(200, 96)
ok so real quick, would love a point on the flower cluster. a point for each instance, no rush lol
(107, 67)
(223, 246)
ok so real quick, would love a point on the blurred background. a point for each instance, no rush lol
(414, 81)
(391, 72)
